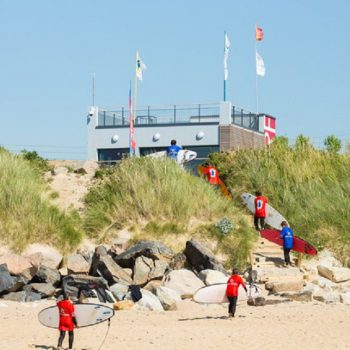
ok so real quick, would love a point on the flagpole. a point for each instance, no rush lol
(93, 89)
(224, 67)
(256, 74)
(135, 85)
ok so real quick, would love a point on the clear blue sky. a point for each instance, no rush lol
(49, 50)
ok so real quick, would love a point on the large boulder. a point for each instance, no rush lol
(7, 282)
(149, 302)
(149, 249)
(335, 274)
(76, 263)
(303, 296)
(19, 265)
(103, 265)
(47, 275)
(210, 277)
(45, 289)
(201, 258)
(50, 256)
(168, 298)
(287, 285)
(184, 282)
(146, 269)
(119, 291)
(26, 295)
(327, 297)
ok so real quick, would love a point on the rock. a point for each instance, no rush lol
(201, 258)
(128, 272)
(153, 285)
(159, 269)
(123, 305)
(312, 288)
(86, 250)
(7, 282)
(47, 275)
(168, 298)
(142, 270)
(303, 296)
(45, 289)
(327, 259)
(149, 302)
(184, 282)
(335, 274)
(265, 275)
(80, 171)
(178, 261)
(328, 297)
(122, 240)
(76, 263)
(149, 249)
(119, 290)
(103, 265)
(345, 298)
(210, 277)
(26, 295)
(50, 256)
(19, 265)
(324, 283)
(284, 286)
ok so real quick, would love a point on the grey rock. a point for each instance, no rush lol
(153, 285)
(345, 298)
(119, 291)
(76, 263)
(26, 295)
(159, 269)
(335, 274)
(45, 289)
(50, 257)
(258, 301)
(149, 249)
(19, 265)
(201, 258)
(285, 286)
(103, 265)
(47, 275)
(328, 297)
(149, 302)
(7, 282)
(142, 269)
(178, 262)
(168, 298)
(210, 277)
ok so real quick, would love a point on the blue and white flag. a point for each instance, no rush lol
(140, 66)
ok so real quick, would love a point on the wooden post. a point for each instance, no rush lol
(300, 256)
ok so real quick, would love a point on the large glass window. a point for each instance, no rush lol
(144, 151)
(112, 154)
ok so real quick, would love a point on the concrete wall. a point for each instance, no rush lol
(99, 138)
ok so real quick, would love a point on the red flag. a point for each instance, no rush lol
(259, 34)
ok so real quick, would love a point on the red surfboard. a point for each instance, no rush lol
(224, 190)
(299, 244)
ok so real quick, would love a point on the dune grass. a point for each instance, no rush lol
(26, 215)
(310, 187)
(162, 201)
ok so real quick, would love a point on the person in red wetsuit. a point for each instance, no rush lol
(212, 174)
(67, 320)
(260, 210)
(233, 284)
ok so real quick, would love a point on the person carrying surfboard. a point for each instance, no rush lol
(67, 321)
(233, 284)
(260, 211)
(288, 237)
(173, 150)
(212, 174)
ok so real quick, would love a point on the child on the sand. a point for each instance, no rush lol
(233, 284)
(67, 321)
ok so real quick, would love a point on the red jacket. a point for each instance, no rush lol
(233, 284)
(260, 206)
(212, 175)
(66, 312)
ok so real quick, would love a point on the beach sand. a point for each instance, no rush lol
(197, 327)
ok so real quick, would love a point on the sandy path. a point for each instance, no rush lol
(284, 326)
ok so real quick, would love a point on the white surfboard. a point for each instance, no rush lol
(216, 294)
(183, 155)
(273, 217)
(86, 315)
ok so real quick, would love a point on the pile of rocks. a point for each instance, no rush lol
(42, 271)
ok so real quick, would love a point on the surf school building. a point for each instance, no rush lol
(204, 128)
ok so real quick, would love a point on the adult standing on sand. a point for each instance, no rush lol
(67, 321)
(288, 237)
(260, 210)
(233, 284)
(173, 150)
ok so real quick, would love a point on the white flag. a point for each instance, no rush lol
(226, 51)
(260, 66)
(140, 66)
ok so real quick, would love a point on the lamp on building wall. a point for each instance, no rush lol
(200, 135)
(115, 138)
(156, 137)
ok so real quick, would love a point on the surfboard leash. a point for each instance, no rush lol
(104, 339)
